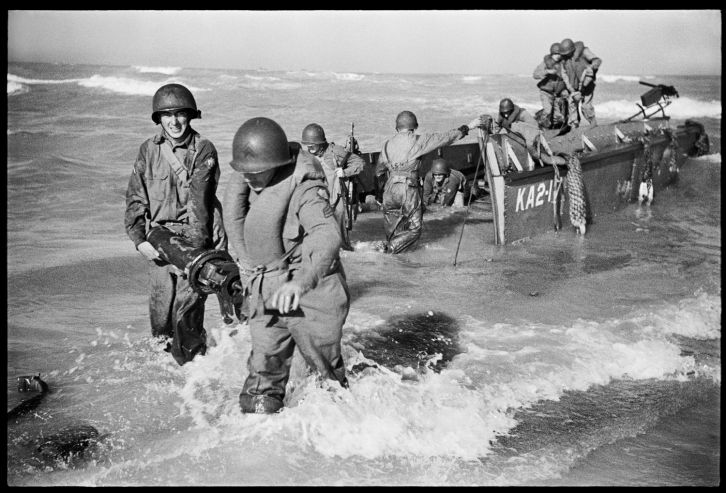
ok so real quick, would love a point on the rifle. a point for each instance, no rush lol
(347, 186)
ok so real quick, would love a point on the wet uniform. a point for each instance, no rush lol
(575, 78)
(551, 86)
(291, 214)
(443, 194)
(174, 186)
(401, 158)
(333, 155)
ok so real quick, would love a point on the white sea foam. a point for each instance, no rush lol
(348, 76)
(157, 70)
(15, 88)
(23, 80)
(680, 108)
(626, 78)
(470, 79)
(125, 85)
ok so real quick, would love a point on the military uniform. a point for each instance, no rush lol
(333, 155)
(580, 72)
(400, 157)
(174, 186)
(551, 86)
(445, 193)
(287, 231)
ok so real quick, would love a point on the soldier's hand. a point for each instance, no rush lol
(287, 297)
(339, 173)
(576, 96)
(475, 123)
(147, 250)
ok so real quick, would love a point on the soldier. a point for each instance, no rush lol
(551, 88)
(173, 185)
(580, 67)
(338, 166)
(443, 185)
(400, 158)
(286, 242)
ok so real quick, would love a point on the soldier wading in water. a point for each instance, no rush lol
(400, 158)
(286, 241)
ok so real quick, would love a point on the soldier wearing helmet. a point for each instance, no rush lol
(580, 66)
(400, 159)
(286, 241)
(512, 118)
(173, 185)
(338, 165)
(443, 185)
(552, 88)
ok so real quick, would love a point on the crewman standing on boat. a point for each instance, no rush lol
(551, 86)
(338, 165)
(173, 185)
(443, 185)
(400, 158)
(287, 244)
(580, 67)
(512, 117)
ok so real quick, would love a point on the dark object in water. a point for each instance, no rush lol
(72, 440)
(29, 384)
(411, 341)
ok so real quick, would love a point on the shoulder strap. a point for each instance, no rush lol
(180, 171)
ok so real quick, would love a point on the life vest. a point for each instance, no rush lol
(268, 210)
(552, 84)
(507, 122)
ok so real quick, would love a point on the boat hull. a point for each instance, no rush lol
(528, 203)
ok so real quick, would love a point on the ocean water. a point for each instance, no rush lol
(567, 360)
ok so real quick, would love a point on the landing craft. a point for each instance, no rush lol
(617, 164)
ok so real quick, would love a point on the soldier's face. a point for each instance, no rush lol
(258, 181)
(556, 57)
(315, 149)
(175, 123)
(439, 177)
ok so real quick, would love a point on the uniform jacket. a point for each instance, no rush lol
(519, 115)
(401, 154)
(293, 211)
(333, 155)
(549, 82)
(159, 195)
(574, 67)
(444, 194)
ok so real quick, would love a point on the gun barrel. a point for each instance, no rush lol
(647, 84)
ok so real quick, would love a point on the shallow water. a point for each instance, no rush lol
(560, 360)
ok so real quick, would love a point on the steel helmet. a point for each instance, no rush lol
(567, 47)
(439, 166)
(406, 119)
(506, 106)
(173, 97)
(259, 145)
(555, 49)
(313, 134)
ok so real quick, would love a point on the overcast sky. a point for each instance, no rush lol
(423, 41)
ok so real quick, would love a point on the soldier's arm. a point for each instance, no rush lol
(137, 201)
(321, 241)
(592, 59)
(426, 143)
(202, 190)
(428, 188)
(235, 206)
(356, 164)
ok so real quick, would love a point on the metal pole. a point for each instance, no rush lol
(482, 155)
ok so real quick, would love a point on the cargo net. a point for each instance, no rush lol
(575, 188)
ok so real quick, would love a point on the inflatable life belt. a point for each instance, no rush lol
(268, 210)
(507, 122)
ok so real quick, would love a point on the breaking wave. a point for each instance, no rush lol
(157, 70)
(625, 78)
(680, 108)
(15, 88)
